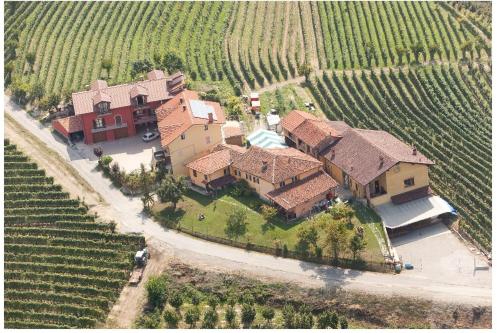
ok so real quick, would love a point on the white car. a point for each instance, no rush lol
(150, 136)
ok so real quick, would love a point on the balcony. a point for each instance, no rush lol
(144, 119)
(108, 128)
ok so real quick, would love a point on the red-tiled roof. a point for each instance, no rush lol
(230, 132)
(221, 157)
(366, 154)
(275, 165)
(303, 191)
(120, 95)
(312, 130)
(138, 90)
(70, 124)
(175, 117)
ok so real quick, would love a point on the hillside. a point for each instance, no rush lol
(62, 268)
(420, 70)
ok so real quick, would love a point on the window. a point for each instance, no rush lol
(226, 171)
(103, 107)
(257, 180)
(99, 123)
(205, 176)
(118, 120)
(195, 174)
(294, 179)
(140, 100)
(206, 127)
(282, 184)
(409, 182)
(183, 136)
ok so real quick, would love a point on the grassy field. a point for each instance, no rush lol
(62, 268)
(259, 232)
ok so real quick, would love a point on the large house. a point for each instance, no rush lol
(295, 182)
(189, 128)
(105, 113)
(374, 165)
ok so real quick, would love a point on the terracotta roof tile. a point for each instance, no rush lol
(71, 124)
(230, 132)
(119, 95)
(175, 117)
(304, 190)
(295, 118)
(221, 157)
(138, 90)
(275, 165)
(366, 154)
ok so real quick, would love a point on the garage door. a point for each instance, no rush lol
(121, 133)
(98, 137)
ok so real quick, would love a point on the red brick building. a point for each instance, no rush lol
(108, 113)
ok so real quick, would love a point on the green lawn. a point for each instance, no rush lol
(259, 232)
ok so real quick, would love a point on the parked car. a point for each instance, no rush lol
(150, 136)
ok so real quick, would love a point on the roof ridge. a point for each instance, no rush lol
(375, 145)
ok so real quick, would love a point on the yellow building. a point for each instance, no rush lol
(189, 128)
(373, 165)
(292, 180)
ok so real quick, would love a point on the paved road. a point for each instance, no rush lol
(127, 213)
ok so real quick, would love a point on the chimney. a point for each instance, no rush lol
(414, 152)
(210, 117)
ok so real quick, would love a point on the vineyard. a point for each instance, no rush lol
(62, 268)
(251, 44)
(445, 111)
(420, 70)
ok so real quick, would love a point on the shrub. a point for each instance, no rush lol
(156, 289)
(176, 300)
(210, 319)
(268, 212)
(343, 323)
(192, 316)
(152, 320)
(247, 314)
(171, 318)
(288, 313)
(328, 319)
(213, 301)
(268, 313)
(230, 316)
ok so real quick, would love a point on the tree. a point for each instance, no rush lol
(53, 101)
(247, 314)
(268, 314)
(230, 316)
(210, 319)
(176, 300)
(417, 48)
(30, 59)
(343, 323)
(288, 313)
(141, 66)
(172, 318)
(192, 316)
(356, 245)
(236, 225)
(171, 190)
(147, 201)
(152, 320)
(213, 301)
(327, 319)
(342, 211)
(307, 238)
(156, 289)
(66, 96)
(172, 62)
(234, 108)
(304, 318)
(305, 70)
(268, 213)
(107, 64)
(37, 91)
(335, 238)
(433, 49)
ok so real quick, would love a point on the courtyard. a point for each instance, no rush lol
(437, 253)
(129, 152)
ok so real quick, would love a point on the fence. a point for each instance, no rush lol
(280, 252)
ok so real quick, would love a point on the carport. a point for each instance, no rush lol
(424, 209)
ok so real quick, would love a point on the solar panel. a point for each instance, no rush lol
(201, 109)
